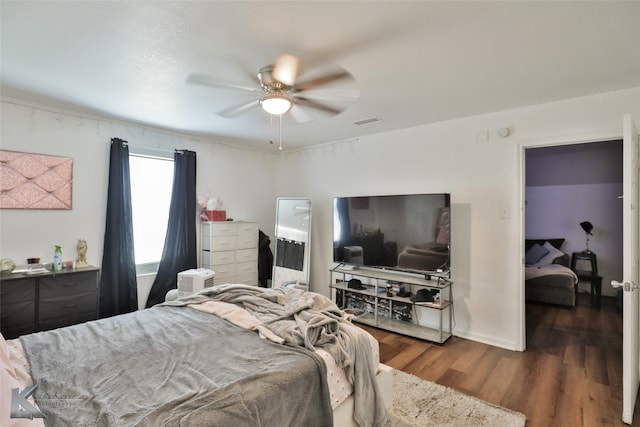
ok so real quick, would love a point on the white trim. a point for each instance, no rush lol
(488, 339)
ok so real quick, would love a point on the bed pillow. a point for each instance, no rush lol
(555, 242)
(535, 254)
(551, 255)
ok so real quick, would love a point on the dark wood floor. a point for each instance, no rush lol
(570, 374)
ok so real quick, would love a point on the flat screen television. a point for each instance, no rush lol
(409, 232)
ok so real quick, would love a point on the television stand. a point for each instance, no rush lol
(381, 305)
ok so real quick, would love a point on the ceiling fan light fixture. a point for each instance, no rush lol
(276, 104)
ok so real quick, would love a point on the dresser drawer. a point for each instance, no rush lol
(250, 280)
(246, 255)
(247, 273)
(225, 278)
(250, 228)
(219, 228)
(17, 291)
(243, 268)
(12, 332)
(219, 243)
(68, 307)
(68, 284)
(225, 270)
(225, 257)
(244, 241)
(17, 313)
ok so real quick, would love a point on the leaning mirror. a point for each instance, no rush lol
(293, 243)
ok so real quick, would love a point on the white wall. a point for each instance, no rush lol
(243, 179)
(484, 179)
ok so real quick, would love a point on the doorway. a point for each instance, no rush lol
(564, 186)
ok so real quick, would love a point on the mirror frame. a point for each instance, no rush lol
(285, 215)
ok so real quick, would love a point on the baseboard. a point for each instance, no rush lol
(489, 340)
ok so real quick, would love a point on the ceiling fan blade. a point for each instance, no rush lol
(286, 68)
(322, 80)
(334, 95)
(204, 80)
(236, 110)
(299, 114)
(317, 105)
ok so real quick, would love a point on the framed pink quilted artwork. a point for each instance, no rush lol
(35, 181)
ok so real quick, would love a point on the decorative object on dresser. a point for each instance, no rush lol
(43, 301)
(230, 249)
(212, 209)
(81, 249)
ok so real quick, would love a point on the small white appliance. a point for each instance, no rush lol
(194, 280)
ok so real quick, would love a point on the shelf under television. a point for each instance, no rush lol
(404, 328)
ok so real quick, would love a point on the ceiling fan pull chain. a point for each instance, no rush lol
(280, 146)
(270, 128)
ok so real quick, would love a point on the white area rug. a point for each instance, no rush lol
(419, 403)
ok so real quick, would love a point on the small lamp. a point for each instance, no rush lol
(587, 227)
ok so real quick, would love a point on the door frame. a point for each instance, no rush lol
(523, 145)
(630, 377)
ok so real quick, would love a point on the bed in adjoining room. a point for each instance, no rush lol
(548, 278)
(230, 355)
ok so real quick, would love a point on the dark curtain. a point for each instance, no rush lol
(118, 285)
(179, 251)
(265, 259)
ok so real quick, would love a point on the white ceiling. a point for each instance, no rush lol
(414, 62)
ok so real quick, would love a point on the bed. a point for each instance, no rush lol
(548, 278)
(228, 355)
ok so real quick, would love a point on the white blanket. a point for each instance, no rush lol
(549, 270)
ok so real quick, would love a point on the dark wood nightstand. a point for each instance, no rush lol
(590, 276)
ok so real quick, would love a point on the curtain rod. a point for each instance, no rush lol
(149, 150)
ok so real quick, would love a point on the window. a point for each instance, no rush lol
(151, 184)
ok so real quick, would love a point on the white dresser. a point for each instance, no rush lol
(230, 249)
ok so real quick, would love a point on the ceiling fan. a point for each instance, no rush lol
(280, 91)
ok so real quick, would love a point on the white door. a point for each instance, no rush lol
(630, 279)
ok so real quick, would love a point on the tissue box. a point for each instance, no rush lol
(216, 215)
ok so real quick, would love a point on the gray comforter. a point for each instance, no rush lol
(170, 366)
(310, 320)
